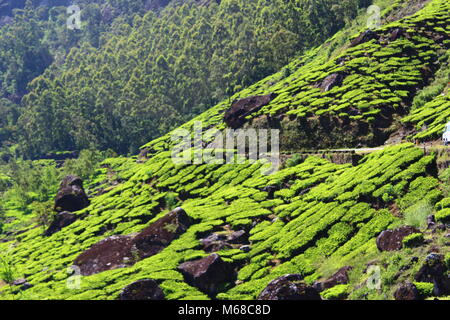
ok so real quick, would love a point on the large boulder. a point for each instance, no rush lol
(219, 241)
(61, 220)
(208, 274)
(121, 251)
(159, 234)
(289, 287)
(71, 195)
(146, 289)
(111, 253)
(392, 240)
(340, 277)
(434, 270)
(406, 291)
(235, 116)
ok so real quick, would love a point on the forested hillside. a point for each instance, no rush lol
(142, 226)
(132, 77)
(34, 36)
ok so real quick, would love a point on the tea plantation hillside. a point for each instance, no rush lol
(311, 218)
(322, 217)
(355, 93)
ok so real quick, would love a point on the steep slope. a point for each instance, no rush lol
(372, 83)
(432, 113)
(311, 218)
(320, 210)
(155, 72)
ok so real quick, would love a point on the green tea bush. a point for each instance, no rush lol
(338, 292)
(425, 289)
(443, 215)
(7, 269)
(413, 240)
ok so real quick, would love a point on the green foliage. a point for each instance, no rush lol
(323, 216)
(437, 86)
(413, 240)
(159, 70)
(430, 107)
(417, 214)
(295, 160)
(171, 201)
(31, 181)
(443, 215)
(447, 260)
(338, 292)
(43, 211)
(85, 165)
(425, 289)
(7, 269)
(30, 187)
(288, 234)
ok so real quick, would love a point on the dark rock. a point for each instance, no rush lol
(26, 286)
(19, 282)
(214, 243)
(391, 240)
(396, 34)
(340, 277)
(431, 221)
(364, 37)
(333, 80)
(159, 234)
(143, 154)
(434, 270)
(208, 274)
(219, 241)
(439, 227)
(237, 237)
(407, 291)
(271, 191)
(289, 287)
(122, 251)
(146, 289)
(110, 253)
(71, 196)
(61, 220)
(22, 283)
(235, 116)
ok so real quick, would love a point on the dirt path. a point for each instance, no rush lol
(360, 150)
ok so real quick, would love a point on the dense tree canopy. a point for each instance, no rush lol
(131, 74)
